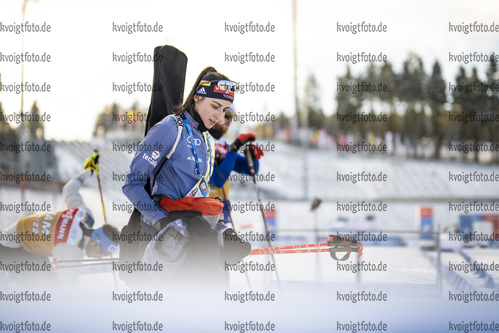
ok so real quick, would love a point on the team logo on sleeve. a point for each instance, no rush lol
(151, 160)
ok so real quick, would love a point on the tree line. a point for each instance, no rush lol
(422, 108)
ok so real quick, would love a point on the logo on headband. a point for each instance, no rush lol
(217, 89)
(222, 89)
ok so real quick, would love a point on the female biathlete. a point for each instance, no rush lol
(168, 184)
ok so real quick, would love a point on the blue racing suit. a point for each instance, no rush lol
(174, 178)
(230, 161)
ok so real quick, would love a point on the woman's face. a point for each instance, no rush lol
(211, 110)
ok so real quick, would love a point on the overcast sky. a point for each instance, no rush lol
(81, 44)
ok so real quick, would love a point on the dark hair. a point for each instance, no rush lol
(188, 105)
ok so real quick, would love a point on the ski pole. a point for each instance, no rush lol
(226, 201)
(267, 250)
(100, 190)
(263, 251)
(252, 170)
(315, 204)
(96, 151)
(83, 265)
(333, 245)
(56, 262)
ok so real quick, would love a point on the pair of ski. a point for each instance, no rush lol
(334, 244)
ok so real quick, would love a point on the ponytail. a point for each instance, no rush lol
(188, 105)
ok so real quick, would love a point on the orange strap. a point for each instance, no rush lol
(205, 205)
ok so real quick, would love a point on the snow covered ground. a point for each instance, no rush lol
(409, 185)
(309, 283)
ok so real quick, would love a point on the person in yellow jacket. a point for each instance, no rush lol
(65, 234)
